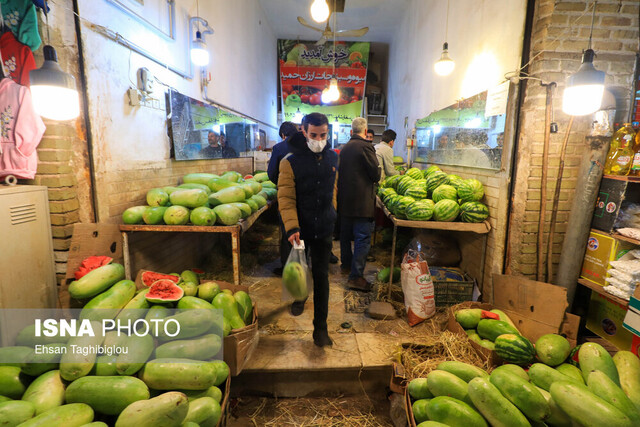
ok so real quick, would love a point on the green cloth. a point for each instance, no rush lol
(20, 16)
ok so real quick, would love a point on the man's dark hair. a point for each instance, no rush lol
(315, 119)
(388, 135)
(287, 129)
(370, 131)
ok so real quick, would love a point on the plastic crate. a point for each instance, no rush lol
(453, 292)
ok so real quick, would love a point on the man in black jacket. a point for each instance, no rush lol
(306, 199)
(358, 173)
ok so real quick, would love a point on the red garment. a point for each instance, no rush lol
(17, 58)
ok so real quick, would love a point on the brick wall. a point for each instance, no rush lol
(560, 33)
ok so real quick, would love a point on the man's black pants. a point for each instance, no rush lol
(320, 252)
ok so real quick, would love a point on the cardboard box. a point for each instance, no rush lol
(224, 405)
(398, 382)
(536, 308)
(632, 321)
(614, 194)
(605, 318)
(601, 249)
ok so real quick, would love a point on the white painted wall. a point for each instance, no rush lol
(485, 41)
(243, 70)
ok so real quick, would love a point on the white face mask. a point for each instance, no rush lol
(316, 145)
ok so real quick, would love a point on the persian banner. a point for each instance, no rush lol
(307, 69)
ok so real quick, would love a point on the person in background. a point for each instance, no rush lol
(370, 135)
(227, 151)
(214, 149)
(384, 152)
(281, 149)
(307, 203)
(357, 177)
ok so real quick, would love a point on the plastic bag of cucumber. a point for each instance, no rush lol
(550, 384)
(180, 386)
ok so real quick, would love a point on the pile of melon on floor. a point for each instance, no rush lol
(547, 384)
(204, 199)
(422, 195)
(181, 384)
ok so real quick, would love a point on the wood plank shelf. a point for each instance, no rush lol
(600, 289)
(623, 178)
(617, 236)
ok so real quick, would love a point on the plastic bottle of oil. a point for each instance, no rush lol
(620, 157)
(635, 167)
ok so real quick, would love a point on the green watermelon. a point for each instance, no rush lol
(431, 169)
(445, 192)
(435, 180)
(383, 191)
(401, 206)
(446, 210)
(133, 215)
(398, 159)
(404, 184)
(420, 210)
(392, 181)
(454, 180)
(417, 191)
(383, 275)
(470, 190)
(227, 214)
(552, 349)
(514, 349)
(157, 197)
(202, 216)
(294, 278)
(414, 173)
(473, 212)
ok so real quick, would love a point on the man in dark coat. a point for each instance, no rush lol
(357, 177)
(307, 200)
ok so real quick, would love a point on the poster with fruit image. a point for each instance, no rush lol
(306, 69)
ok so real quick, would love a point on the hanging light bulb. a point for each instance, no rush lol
(297, 117)
(584, 89)
(334, 92)
(53, 91)
(199, 52)
(445, 65)
(319, 10)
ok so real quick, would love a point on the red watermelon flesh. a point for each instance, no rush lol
(164, 290)
(149, 277)
(91, 263)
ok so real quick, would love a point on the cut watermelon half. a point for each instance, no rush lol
(164, 290)
(149, 277)
(91, 263)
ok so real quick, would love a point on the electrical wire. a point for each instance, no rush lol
(446, 27)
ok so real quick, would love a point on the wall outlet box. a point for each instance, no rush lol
(135, 97)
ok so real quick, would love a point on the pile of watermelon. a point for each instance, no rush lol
(204, 199)
(180, 384)
(423, 195)
(594, 390)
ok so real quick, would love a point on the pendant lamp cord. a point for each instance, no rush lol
(446, 28)
(198, 14)
(335, 56)
(46, 20)
(593, 17)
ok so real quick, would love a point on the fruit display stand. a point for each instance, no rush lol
(235, 231)
(536, 308)
(479, 228)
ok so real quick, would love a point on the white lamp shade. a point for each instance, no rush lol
(445, 65)
(319, 10)
(582, 100)
(199, 52)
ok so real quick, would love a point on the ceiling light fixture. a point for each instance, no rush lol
(53, 91)
(319, 10)
(199, 52)
(445, 65)
(584, 89)
(332, 93)
(298, 116)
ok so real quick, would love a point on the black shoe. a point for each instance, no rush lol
(333, 259)
(277, 271)
(297, 308)
(345, 269)
(321, 338)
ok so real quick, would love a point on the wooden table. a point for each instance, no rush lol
(235, 231)
(479, 228)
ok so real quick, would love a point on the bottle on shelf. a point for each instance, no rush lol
(621, 153)
(635, 167)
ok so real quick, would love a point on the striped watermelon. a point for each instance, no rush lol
(392, 201)
(454, 180)
(428, 171)
(446, 210)
(414, 173)
(383, 191)
(435, 180)
(404, 184)
(473, 212)
(401, 206)
(514, 349)
(420, 210)
(392, 181)
(470, 190)
(445, 192)
(417, 191)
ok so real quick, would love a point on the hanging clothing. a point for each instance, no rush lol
(20, 17)
(21, 129)
(17, 58)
